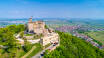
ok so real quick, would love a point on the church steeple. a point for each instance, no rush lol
(30, 19)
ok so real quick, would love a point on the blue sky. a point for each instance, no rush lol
(52, 8)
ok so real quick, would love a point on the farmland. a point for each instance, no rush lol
(98, 35)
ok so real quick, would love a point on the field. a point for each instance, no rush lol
(98, 35)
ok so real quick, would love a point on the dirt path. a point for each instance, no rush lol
(28, 52)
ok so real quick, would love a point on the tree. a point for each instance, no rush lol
(22, 34)
(46, 26)
(8, 41)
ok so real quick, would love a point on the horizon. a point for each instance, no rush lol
(45, 18)
(92, 9)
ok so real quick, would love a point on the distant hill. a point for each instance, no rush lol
(96, 23)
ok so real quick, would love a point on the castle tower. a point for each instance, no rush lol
(39, 26)
(36, 27)
(30, 25)
(30, 19)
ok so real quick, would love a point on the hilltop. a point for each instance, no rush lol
(73, 47)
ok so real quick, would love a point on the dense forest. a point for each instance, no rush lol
(73, 47)
(8, 42)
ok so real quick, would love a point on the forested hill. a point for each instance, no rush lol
(73, 47)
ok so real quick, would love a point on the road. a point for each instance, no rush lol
(38, 54)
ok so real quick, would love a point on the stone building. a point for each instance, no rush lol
(36, 27)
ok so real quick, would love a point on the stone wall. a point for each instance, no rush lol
(50, 38)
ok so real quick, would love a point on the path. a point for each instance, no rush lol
(29, 52)
(38, 54)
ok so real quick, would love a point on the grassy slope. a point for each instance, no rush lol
(73, 47)
(21, 52)
(99, 35)
(35, 51)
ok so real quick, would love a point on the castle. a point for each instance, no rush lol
(38, 27)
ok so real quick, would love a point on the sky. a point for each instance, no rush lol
(52, 8)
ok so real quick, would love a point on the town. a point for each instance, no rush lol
(74, 32)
